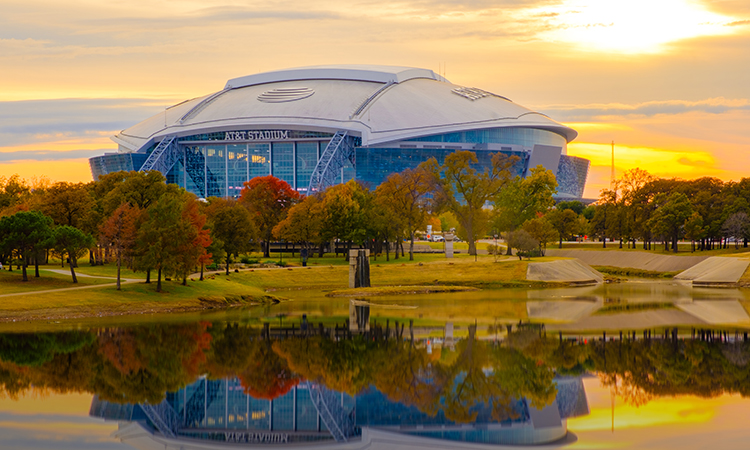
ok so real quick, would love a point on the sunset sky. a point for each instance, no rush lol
(667, 80)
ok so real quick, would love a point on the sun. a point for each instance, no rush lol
(631, 26)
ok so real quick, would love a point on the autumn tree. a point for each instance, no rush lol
(464, 191)
(522, 242)
(73, 242)
(68, 204)
(196, 238)
(268, 199)
(120, 232)
(303, 223)
(346, 213)
(406, 194)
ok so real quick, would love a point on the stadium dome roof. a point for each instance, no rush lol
(381, 103)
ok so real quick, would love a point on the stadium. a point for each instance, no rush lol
(314, 127)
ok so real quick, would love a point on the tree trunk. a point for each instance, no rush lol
(266, 249)
(387, 250)
(560, 245)
(201, 271)
(228, 263)
(119, 264)
(411, 247)
(36, 265)
(72, 269)
(674, 244)
(148, 276)
(23, 264)
(158, 281)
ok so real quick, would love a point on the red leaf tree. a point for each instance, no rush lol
(269, 200)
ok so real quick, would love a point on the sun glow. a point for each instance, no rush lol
(632, 26)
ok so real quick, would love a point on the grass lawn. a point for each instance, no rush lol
(11, 282)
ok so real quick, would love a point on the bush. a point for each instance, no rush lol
(248, 260)
(212, 266)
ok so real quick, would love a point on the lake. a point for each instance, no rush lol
(641, 364)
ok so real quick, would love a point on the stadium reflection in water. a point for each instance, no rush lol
(218, 413)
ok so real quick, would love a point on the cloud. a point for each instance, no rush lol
(716, 105)
(25, 122)
(49, 155)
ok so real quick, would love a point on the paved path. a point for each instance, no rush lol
(630, 258)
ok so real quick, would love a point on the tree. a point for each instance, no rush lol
(345, 213)
(524, 199)
(196, 238)
(670, 217)
(303, 223)
(119, 232)
(522, 242)
(74, 242)
(231, 224)
(736, 227)
(405, 194)
(542, 230)
(464, 191)
(24, 232)
(161, 236)
(68, 204)
(268, 199)
(694, 229)
(564, 222)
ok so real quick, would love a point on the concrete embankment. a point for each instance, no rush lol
(716, 271)
(630, 258)
(563, 271)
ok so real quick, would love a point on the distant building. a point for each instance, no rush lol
(317, 126)
(218, 414)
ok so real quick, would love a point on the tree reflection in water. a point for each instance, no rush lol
(141, 364)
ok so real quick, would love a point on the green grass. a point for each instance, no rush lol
(11, 282)
(630, 272)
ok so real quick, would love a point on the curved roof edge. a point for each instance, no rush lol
(371, 73)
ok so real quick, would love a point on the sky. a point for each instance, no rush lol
(666, 80)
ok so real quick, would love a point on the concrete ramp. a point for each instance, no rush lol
(563, 271)
(561, 310)
(715, 270)
(716, 312)
(630, 258)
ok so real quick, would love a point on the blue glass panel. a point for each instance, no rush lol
(236, 168)
(260, 160)
(216, 163)
(283, 161)
(307, 157)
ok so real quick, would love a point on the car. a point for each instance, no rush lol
(437, 238)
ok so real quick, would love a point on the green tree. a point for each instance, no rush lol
(524, 199)
(522, 242)
(24, 233)
(564, 222)
(542, 230)
(73, 242)
(231, 224)
(670, 217)
(161, 236)
(464, 191)
(694, 229)
(303, 223)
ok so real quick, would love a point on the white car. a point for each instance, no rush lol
(437, 238)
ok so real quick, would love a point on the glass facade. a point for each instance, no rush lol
(213, 166)
(506, 135)
(282, 161)
(306, 158)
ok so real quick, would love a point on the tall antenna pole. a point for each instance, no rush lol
(612, 175)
